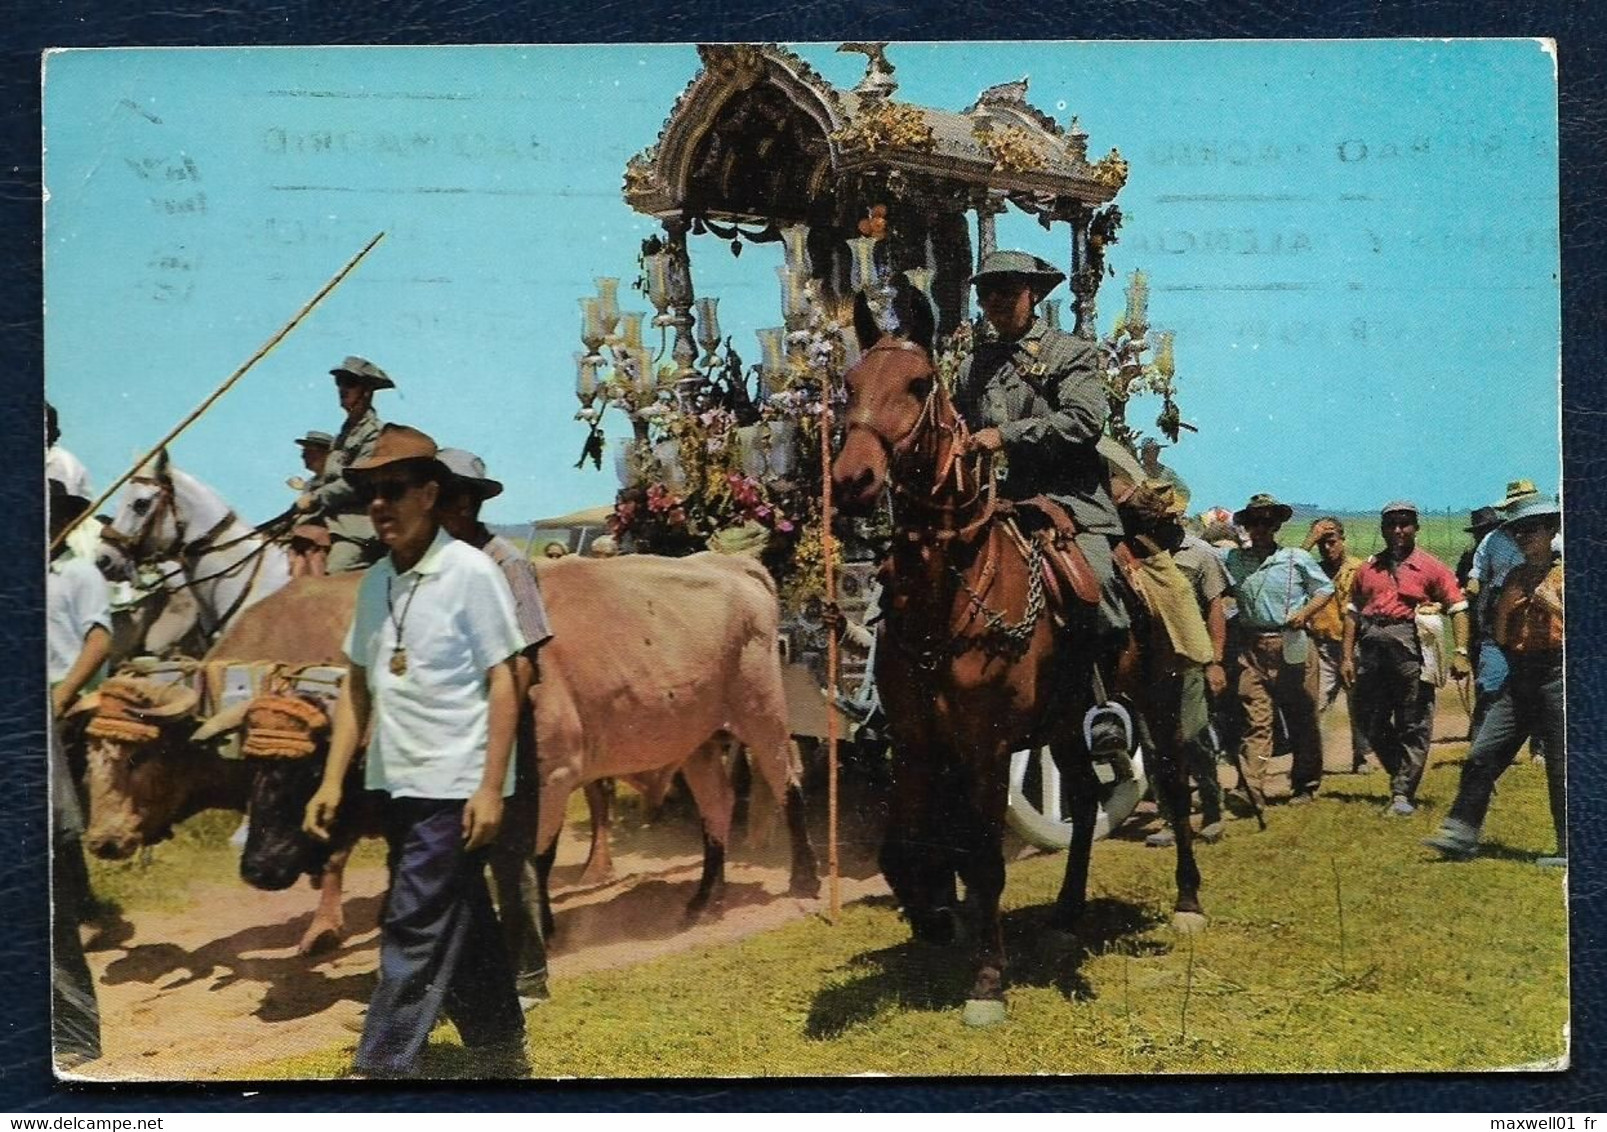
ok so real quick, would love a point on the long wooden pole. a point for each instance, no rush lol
(199, 410)
(827, 550)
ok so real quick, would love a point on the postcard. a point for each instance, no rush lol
(1000, 559)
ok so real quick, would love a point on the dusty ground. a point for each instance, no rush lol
(201, 991)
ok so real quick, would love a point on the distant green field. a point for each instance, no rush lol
(1439, 532)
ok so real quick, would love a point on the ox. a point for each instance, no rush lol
(691, 659)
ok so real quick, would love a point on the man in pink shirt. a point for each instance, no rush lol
(1383, 660)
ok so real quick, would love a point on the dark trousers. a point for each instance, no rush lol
(1529, 706)
(441, 948)
(1398, 708)
(1191, 737)
(74, 1014)
(1330, 688)
(514, 867)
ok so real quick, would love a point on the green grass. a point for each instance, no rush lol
(1444, 966)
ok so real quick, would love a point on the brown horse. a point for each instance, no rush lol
(971, 666)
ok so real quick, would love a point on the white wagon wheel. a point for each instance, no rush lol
(1037, 808)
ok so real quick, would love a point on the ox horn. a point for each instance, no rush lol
(229, 719)
(85, 704)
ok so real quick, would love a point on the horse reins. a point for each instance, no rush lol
(192, 551)
(950, 465)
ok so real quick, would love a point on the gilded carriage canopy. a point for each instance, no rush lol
(759, 140)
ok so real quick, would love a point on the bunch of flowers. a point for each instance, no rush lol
(752, 503)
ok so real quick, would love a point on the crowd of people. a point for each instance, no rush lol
(1289, 632)
(1248, 639)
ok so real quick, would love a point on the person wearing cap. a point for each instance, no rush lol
(459, 514)
(1383, 659)
(330, 495)
(1493, 558)
(1149, 456)
(315, 448)
(1181, 585)
(1277, 591)
(1527, 624)
(1036, 394)
(429, 681)
(1327, 627)
(78, 637)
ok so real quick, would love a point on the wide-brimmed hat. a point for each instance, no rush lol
(1534, 506)
(1157, 499)
(1398, 507)
(1483, 519)
(1516, 490)
(363, 372)
(397, 443)
(316, 439)
(1323, 528)
(1040, 275)
(469, 471)
(1264, 502)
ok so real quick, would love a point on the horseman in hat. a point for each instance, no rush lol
(1035, 393)
(329, 495)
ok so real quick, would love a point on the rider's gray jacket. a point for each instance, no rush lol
(1045, 395)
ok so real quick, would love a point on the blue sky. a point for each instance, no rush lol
(1355, 242)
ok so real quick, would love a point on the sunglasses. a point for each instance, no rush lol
(1519, 530)
(1404, 521)
(389, 490)
(1262, 521)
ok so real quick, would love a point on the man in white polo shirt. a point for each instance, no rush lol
(429, 651)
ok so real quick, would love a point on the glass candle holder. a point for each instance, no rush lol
(708, 323)
(795, 242)
(1137, 305)
(921, 279)
(592, 331)
(586, 377)
(658, 281)
(1051, 313)
(1164, 362)
(863, 271)
(608, 298)
(630, 329)
(772, 354)
(794, 304)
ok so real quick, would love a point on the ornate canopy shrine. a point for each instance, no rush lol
(759, 141)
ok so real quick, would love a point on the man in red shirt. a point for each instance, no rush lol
(1383, 659)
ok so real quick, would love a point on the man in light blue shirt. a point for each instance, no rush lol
(1277, 590)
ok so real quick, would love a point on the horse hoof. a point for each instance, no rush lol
(1188, 923)
(981, 1013)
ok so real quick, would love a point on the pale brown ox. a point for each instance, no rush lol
(706, 666)
(652, 658)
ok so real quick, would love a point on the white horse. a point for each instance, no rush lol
(169, 516)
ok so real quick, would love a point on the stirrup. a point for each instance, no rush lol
(1111, 758)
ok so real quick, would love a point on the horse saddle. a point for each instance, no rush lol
(1051, 526)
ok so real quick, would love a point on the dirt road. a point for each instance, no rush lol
(200, 992)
